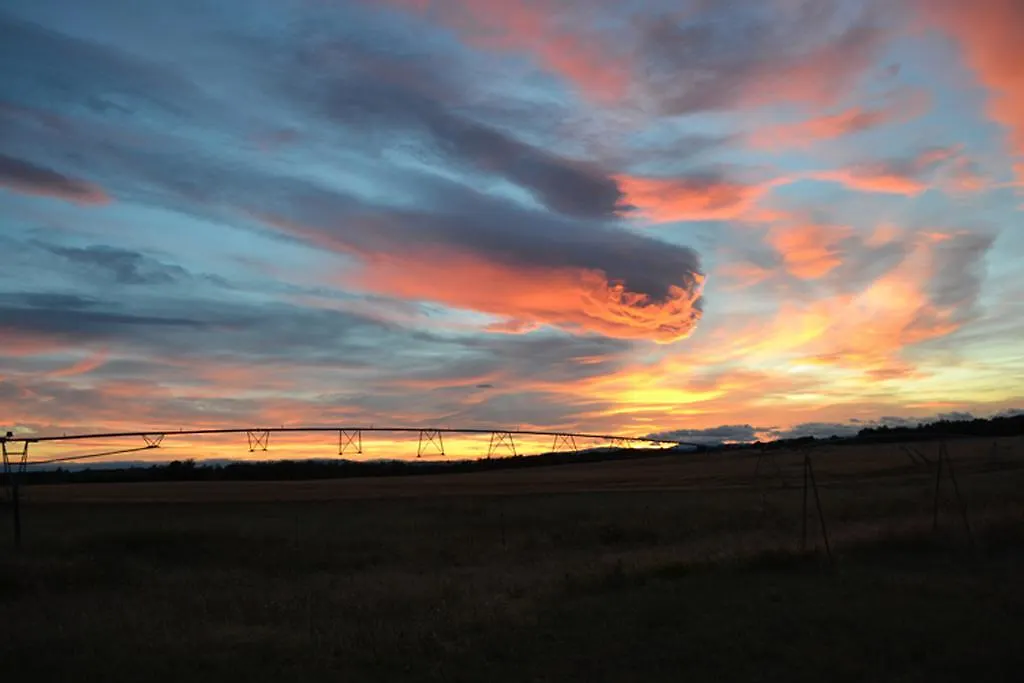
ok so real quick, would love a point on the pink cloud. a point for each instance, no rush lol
(578, 298)
(557, 35)
(809, 251)
(907, 177)
(989, 33)
(84, 366)
(840, 124)
(691, 198)
(571, 298)
(27, 178)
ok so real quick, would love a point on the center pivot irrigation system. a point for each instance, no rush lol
(350, 441)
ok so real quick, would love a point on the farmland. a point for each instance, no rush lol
(649, 569)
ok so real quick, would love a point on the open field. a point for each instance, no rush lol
(655, 569)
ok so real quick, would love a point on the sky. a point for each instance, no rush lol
(703, 218)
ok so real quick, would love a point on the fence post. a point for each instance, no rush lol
(803, 517)
(944, 456)
(935, 504)
(821, 512)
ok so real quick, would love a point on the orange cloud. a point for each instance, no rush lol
(559, 43)
(27, 178)
(86, 365)
(867, 330)
(831, 126)
(907, 177)
(809, 251)
(15, 342)
(849, 340)
(715, 198)
(741, 275)
(696, 198)
(564, 297)
(989, 33)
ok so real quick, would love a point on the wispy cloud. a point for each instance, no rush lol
(26, 177)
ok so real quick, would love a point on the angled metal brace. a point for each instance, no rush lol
(619, 442)
(258, 440)
(153, 440)
(566, 440)
(428, 438)
(499, 440)
(350, 441)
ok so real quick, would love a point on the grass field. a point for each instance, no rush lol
(669, 568)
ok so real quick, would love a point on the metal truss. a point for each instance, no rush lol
(429, 438)
(258, 440)
(350, 440)
(567, 441)
(500, 440)
(14, 462)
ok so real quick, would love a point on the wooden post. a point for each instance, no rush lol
(935, 504)
(821, 512)
(803, 517)
(956, 492)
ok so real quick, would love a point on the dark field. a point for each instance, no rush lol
(669, 568)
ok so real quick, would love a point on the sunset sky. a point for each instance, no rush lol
(638, 217)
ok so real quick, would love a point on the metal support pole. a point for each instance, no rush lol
(13, 474)
(350, 440)
(499, 439)
(430, 437)
(567, 440)
(6, 462)
(258, 440)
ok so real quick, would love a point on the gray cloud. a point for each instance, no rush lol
(371, 99)
(124, 266)
(734, 52)
(713, 435)
(500, 231)
(46, 68)
(818, 430)
(960, 270)
(70, 317)
(578, 234)
(26, 177)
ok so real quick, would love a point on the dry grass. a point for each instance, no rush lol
(652, 569)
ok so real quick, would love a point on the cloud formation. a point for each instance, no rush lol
(988, 32)
(23, 176)
(857, 119)
(522, 266)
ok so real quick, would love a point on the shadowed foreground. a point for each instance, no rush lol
(586, 572)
